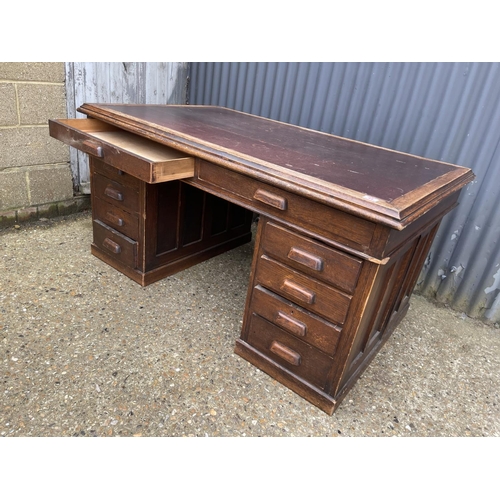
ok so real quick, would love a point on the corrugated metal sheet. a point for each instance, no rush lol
(445, 111)
(120, 82)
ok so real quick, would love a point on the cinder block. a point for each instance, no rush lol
(49, 210)
(13, 188)
(50, 183)
(77, 204)
(8, 218)
(67, 207)
(28, 146)
(8, 105)
(38, 103)
(27, 214)
(33, 71)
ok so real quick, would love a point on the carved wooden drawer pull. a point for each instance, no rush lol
(291, 324)
(113, 193)
(114, 219)
(92, 148)
(111, 246)
(306, 259)
(285, 353)
(270, 199)
(299, 292)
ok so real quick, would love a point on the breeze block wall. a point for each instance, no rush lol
(35, 174)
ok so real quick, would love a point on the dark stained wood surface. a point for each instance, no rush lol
(385, 181)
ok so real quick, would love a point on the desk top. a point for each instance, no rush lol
(386, 185)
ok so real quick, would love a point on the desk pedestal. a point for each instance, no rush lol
(315, 316)
(326, 289)
(150, 231)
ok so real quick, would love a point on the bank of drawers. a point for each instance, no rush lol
(116, 211)
(301, 294)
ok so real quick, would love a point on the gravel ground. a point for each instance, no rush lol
(88, 352)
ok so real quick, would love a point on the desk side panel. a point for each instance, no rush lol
(386, 305)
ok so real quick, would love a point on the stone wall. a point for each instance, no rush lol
(35, 175)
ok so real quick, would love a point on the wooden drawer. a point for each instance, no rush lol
(291, 353)
(124, 196)
(325, 221)
(115, 174)
(310, 328)
(306, 255)
(145, 159)
(117, 218)
(115, 244)
(303, 290)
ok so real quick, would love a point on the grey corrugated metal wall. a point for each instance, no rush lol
(445, 111)
(119, 82)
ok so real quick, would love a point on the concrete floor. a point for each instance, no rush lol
(88, 352)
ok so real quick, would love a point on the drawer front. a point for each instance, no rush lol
(303, 290)
(291, 353)
(115, 174)
(308, 256)
(302, 324)
(313, 216)
(116, 245)
(121, 195)
(145, 159)
(117, 218)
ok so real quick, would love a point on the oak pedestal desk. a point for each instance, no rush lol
(344, 227)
